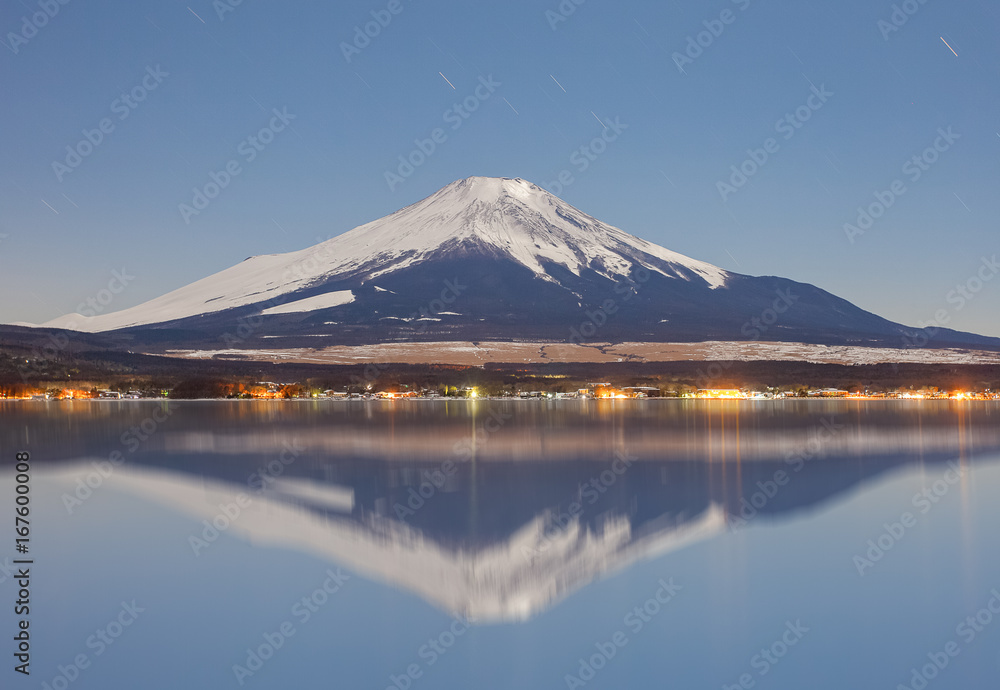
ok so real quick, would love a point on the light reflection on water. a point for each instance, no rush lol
(541, 524)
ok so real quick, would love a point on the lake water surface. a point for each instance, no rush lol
(491, 544)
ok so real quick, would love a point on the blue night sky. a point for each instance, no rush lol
(213, 79)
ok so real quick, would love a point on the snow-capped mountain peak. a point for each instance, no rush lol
(507, 218)
(532, 269)
(512, 217)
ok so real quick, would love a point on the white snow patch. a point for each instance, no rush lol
(324, 301)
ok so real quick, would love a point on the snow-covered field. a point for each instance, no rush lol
(468, 353)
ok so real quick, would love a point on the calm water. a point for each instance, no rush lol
(455, 545)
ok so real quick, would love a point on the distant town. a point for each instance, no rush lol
(269, 390)
(116, 375)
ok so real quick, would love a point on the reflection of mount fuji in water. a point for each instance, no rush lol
(505, 540)
(486, 580)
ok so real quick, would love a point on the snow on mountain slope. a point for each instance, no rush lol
(257, 279)
(323, 301)
(497, 216)
(515, 217)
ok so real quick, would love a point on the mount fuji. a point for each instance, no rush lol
(496, 259)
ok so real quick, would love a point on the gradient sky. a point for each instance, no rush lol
(60, 240)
